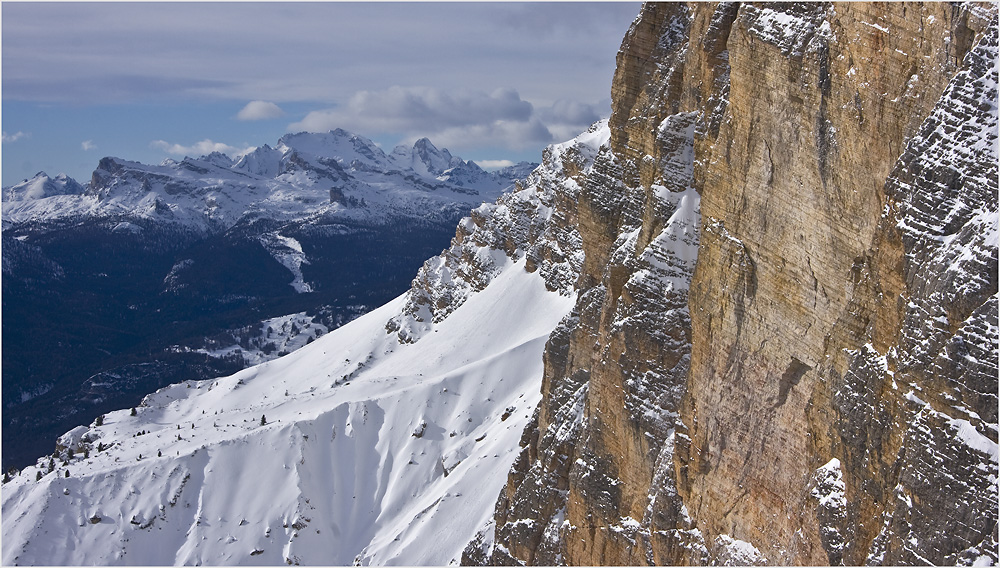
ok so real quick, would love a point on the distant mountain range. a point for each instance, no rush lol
(151, 274)
(335, 175)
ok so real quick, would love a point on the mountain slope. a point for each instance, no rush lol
(117, 288)
(400, 460)
(398, 447)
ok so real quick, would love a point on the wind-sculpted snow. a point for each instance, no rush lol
(529, 223)
(353, 449)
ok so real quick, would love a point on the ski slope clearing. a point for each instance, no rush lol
(356, 448)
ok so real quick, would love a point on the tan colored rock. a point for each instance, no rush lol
(779, 401)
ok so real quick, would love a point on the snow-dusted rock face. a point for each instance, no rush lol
(535, 222)
(785, 339)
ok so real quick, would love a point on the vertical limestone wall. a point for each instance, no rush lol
(784, 344)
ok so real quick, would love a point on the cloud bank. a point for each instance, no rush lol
(454, 118)
(199, 149)
(494, 164)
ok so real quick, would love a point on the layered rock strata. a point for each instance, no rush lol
(784, 348)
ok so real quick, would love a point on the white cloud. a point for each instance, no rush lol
(512, 135)
(13, 137)
(451, 118)
(494, 164)
(88, 145)
(260, 110)
(198, 149)
(413, 109)
(570, 112)
(460, 120)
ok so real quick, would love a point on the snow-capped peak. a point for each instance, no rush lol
(346, 147)
(218, 159)
(423, 158)
(262, 161)
(41, 186)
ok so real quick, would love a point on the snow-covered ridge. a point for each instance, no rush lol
(368, 450)
(42, 186)
(518, 225)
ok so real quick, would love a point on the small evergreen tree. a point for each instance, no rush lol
(159, 454)
(133, 412)
(67, 473)
(263, 420)
(52, 465)
(38, 476)
(70, 452)
(100, 420)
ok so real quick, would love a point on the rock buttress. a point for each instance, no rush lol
(764, 364)
(798, 442)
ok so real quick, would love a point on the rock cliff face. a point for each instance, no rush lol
(784, 347)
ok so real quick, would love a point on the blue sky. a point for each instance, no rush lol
(150, 81)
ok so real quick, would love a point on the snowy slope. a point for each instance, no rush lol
(385, 452)
(376, 446)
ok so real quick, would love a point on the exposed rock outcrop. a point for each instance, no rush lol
(784, 348)
(537, 221)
